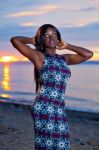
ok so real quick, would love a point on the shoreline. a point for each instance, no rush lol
(26, 105)
(16, 128)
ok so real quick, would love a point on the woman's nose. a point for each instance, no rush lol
(51, 37)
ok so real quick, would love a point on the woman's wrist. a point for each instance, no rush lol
(62, 45)
(66, 45)
(33, 41)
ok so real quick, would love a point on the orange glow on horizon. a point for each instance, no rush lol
(95, 57)
(8, 59)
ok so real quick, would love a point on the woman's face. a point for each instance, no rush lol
(50, 38)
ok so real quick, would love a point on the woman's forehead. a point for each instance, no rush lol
(50, 30)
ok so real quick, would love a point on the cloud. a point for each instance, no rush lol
(87, 9)
(28, 24)
(87, 35)
(6, 32)
(80, 9)
(72, 25)
(72, 17)
(95, 1)
(38, 11)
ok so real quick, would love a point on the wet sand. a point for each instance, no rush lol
(16, 128)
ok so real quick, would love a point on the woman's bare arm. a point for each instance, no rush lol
(20, 43)
(82, 54)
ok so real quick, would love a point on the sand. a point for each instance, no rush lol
(16, 128)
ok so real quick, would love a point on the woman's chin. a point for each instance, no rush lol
(52, 46)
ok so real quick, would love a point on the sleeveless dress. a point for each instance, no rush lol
(48, 110)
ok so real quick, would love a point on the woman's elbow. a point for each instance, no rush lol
(90, 55)
(12, 40)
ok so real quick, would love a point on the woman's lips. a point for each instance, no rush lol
(52, 42)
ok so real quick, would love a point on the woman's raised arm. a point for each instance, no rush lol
(20, 43)
(81, 54)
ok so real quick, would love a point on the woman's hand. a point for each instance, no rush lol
(33, 40)
(62, 45)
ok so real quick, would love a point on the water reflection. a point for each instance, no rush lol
(6, 80)
(6, 77)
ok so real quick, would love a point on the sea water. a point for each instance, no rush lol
(17, 85)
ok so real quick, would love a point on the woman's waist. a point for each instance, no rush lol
(52, 89)
(46, 99)
(53, 85)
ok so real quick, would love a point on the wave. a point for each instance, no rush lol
(27, 98)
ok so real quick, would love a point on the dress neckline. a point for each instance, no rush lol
(51, 55)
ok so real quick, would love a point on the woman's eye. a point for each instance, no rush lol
(46, 35)
(54, 35)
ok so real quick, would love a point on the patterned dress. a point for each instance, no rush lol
(48, 110)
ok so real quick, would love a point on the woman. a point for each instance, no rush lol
(51, 74)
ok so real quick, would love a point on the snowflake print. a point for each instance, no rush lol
(38, 140)
(49, 142)
(59, 111)
(50, 121)
(54, 94)
(58, 77)
(45, 76)
(62, 96)
(37, 106)
(61, 127)
(61, 144)
(42, 90)
(50, 126)
(38, 124)
(50, 109)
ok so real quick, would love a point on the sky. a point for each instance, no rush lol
(77, 21)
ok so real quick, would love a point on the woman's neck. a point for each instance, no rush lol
(51, 51)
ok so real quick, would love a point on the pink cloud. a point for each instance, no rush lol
(39, 11)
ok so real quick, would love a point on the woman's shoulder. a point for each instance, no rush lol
(65, 58)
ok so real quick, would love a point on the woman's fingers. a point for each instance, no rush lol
(61, 45)
(33, 39)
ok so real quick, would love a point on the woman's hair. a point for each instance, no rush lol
(40, 46)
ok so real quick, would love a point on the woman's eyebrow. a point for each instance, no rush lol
(47, 32)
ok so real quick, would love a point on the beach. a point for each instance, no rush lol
(16, 128)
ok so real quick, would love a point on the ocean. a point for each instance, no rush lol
(17, 85)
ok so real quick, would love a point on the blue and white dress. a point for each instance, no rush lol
(48, 110)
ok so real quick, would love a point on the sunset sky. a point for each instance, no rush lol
(78, 22)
